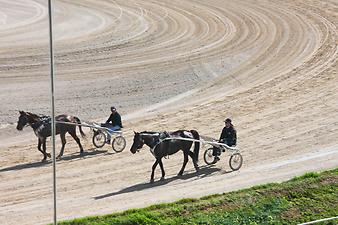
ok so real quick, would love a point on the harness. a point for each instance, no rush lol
(163, 136)
(38, 126)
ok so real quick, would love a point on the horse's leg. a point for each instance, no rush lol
(153, 171)
(44, 147)
(73, 134)
(63, 141)
(43, 141)
(162, 169)
(39, 145)
(184, 163)
(191, 154)
(42, 151)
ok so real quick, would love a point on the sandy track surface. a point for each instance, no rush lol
(269, 65)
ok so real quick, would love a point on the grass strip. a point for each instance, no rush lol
(306, 198)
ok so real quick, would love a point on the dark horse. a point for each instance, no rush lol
(160, 147)
(42, 129)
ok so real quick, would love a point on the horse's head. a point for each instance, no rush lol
(27, 118)
(138, 142)
(23, 120)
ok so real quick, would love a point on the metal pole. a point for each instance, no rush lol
(52, 102)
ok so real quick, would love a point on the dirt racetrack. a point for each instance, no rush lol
(182, 64)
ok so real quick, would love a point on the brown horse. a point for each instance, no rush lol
(42, 129)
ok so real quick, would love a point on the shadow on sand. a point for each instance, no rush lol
(76, 156)
(204, 171)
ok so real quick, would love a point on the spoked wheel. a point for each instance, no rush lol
(99, 139)
(236, 161)
(119, 143)
(209, 159)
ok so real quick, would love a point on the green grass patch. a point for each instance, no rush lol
(309, 197)
(307, 175)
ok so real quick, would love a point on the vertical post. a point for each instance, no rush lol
(52, 101)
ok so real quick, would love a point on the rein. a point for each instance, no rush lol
(213, 143)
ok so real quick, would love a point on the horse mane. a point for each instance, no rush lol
(149, 132)
(35, 117)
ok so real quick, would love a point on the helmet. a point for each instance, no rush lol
(228, 120)
(113, 108)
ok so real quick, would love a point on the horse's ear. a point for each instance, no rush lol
(134, 132)
(21, 112)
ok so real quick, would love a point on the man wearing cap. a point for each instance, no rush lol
(114, 122)
(228, 137)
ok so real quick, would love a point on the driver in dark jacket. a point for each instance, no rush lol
(114, 122)
(228, 137)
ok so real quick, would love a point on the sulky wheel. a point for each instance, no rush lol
(236, 161)
(209, 158)
(99, 139)
(118, 144)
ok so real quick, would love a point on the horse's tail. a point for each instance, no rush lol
(196, 136)
(80, 128)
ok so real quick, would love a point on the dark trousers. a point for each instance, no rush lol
(217, 150)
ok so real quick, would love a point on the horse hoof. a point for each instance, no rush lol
(43, 160)
(58, 157)
(48, 155)
(162, 178)
(151, 181)
(82, 153)
(179, 174)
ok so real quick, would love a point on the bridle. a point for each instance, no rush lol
(138, 148)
